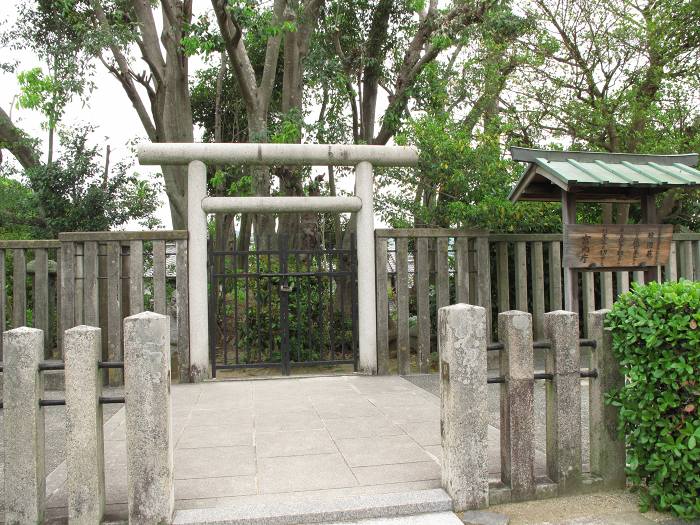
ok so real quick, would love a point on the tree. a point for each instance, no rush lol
(85, 31)
(78, 191)
(618, 76)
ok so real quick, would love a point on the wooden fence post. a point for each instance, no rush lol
(183, 326)
(607, 450)
(382, 306)
(423, 304)
(67, 288)
(19, 288)
(483, 268)
(403, 348)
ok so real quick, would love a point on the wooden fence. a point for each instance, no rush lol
(420, 270)
(97, 279)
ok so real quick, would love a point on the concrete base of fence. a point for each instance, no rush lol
(148, 420)
(23, 420)
(84, 444)
(464, 406)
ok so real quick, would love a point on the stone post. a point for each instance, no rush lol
(198, 278)
(607, 450)
(563, 400)
(366, 292)
(84, 443)
(464, 405)
(24, 426)
(517, 404)
(149, 445)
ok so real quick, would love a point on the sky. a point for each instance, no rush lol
(106, 107)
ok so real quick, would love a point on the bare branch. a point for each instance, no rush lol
(149, 43)
(232, 35)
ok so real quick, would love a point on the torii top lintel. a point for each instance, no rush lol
(280, 154)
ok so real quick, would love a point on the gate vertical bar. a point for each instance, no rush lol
(353, 298)
(283, 245)
(213, 307)
(41, 294)
(403, 350)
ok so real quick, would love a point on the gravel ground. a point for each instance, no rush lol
(608, 508)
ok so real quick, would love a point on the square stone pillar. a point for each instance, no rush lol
(149, 445)
(563, 400)
(82, 349)
(464, 405)
(517, 404)
(23, 421)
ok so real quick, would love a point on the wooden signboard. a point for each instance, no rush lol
(615, 246)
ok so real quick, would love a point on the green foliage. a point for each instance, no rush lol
(17, 210)
(289, 129)
(73, 193)
(462, 180)
(656, 339)
(44, 93)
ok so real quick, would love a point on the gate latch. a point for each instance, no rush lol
(286, 287)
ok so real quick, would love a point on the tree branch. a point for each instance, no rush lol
(272, 53)
(18, 143)
(149, 42)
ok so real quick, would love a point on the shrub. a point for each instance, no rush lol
(656, 338)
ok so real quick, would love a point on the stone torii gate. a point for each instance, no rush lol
(362, 157)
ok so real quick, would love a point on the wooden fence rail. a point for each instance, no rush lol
(97, 279)
(420, 270)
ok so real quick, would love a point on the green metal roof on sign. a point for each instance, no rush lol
(601, 177)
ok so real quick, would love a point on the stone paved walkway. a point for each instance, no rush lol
(266, 440)
(254, 441)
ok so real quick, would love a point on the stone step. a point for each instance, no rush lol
(432, 518)
(353, 509)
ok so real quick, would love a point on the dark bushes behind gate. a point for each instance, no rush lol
(656, 338)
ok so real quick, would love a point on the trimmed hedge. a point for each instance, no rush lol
(656, 338)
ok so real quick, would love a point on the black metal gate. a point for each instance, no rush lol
(274, 306)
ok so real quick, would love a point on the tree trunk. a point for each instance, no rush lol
(263, 224)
